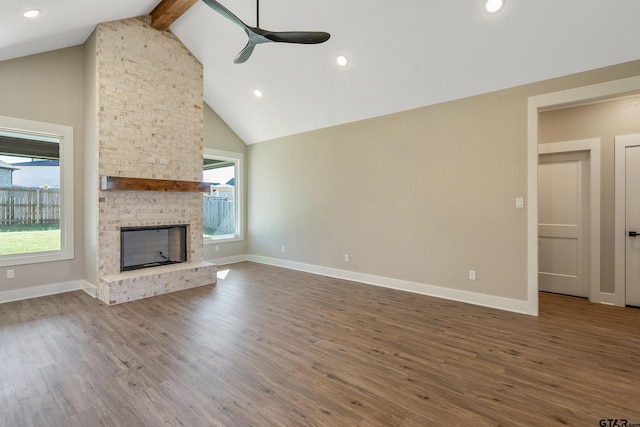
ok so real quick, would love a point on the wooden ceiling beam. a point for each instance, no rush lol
(167, 11)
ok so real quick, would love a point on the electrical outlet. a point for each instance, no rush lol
(472, 275)
(217, 248)
(11, 274)
(346, 257)
(282, 248)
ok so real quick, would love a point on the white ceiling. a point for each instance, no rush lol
(403, 54)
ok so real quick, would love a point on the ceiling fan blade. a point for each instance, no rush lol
(302, 37)
(245, 53)
(257, 35)
(213, 4)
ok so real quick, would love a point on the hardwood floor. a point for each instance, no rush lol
(274, 347)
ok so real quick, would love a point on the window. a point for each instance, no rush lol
(222, 206)
(36, 192)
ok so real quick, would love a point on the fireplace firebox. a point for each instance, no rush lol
(144, 247)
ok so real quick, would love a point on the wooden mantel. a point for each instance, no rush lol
(148, 184)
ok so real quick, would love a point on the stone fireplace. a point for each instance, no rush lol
(148, 125)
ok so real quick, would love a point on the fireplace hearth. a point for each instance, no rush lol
(152, 246)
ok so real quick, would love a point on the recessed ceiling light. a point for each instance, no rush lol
(31, 13)
(342, 61)
(257, 93)
(493, 6)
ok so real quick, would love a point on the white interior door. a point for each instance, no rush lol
(563, 231)
(632, 220)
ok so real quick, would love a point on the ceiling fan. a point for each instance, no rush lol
(258, 35)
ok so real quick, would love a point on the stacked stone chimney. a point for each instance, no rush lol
(149, 125)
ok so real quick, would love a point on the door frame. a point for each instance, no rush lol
(537, 104)
(620, 249)
(592, 146)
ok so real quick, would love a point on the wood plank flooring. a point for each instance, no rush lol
(274, 347)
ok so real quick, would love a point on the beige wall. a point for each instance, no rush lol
(423, 196)
(219, 136)
(602, 120)
(48, 88)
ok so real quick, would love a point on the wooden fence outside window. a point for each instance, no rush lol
(219, 215)
(29, 205)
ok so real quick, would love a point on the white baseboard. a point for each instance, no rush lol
(40, 291)
(605, 298)
(229, 260)
(90, 288)
(516, 306)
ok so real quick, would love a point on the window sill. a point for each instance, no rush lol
(221, 239)
(35, 258)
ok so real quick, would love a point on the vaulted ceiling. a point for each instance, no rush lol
(402, 54)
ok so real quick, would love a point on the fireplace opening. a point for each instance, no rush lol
(143, 247)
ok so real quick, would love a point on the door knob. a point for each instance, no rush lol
(633, 233)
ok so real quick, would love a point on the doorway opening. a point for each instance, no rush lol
(536, 105)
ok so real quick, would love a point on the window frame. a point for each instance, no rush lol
(237, 159)
(64, 135)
